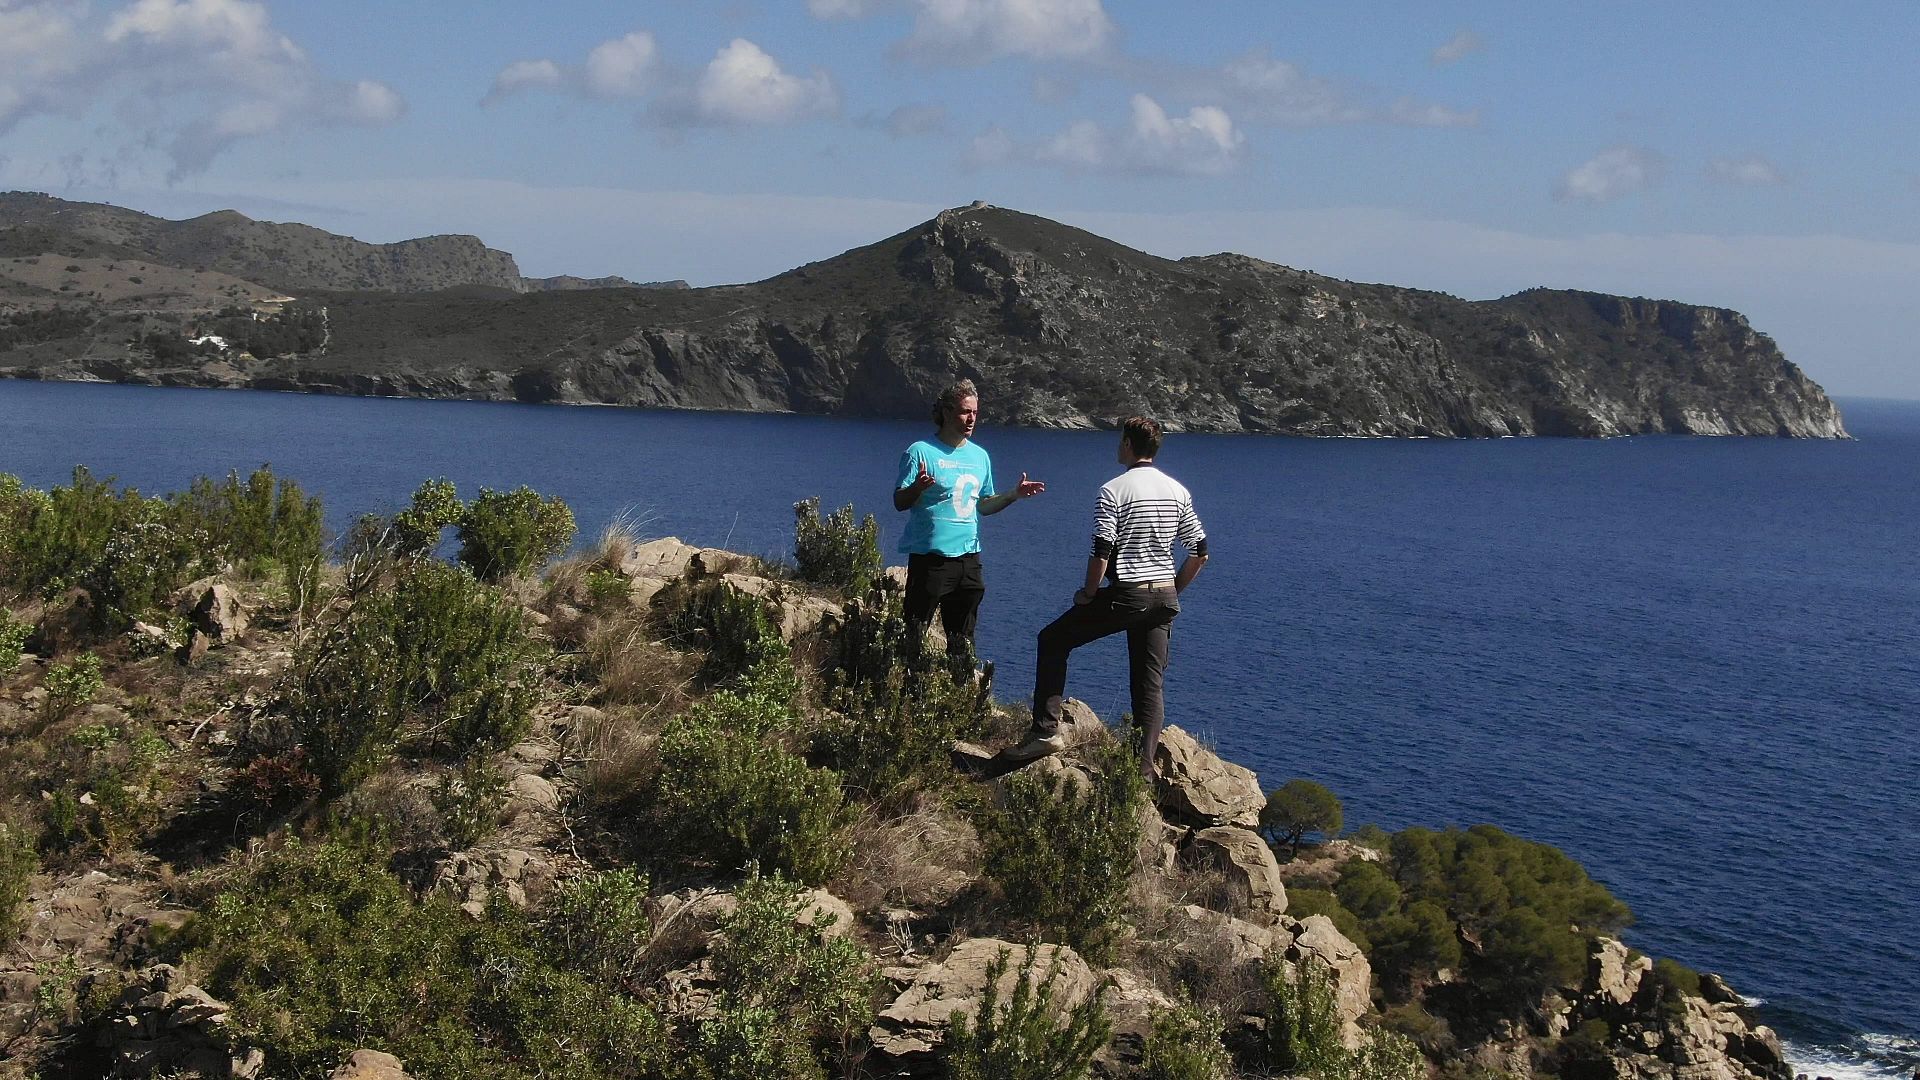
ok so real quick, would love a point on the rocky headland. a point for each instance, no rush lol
(1062, 328)
(384, 819)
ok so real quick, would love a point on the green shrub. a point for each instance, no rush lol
(428, 656)
(1185, 1044)
(54, 537)
(607, 587)
(727, 796)
(18, 863)
(817, 990)
(1532, 909)
(1303, 1029)
(319, 951)
(833, 551)
(110, 794)
(72, 685)
(893, 716)
(146, 557)
(469, 799)
(735, 630)
(1305, 901)
(413, 533)
(599, 918)
(1386, 1055)
(504, 533)
(1297, 808)
(13, 638)
(1028, 1039)
(259, 524)
(1676, 983)
(1063, 852)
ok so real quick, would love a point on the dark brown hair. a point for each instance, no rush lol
(949, 400)
(1143, 435)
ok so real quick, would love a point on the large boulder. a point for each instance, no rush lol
(1196, 787)
(1614, 973)
(214, 609)
(1246, 862)
(668, 558)
(910, 1030)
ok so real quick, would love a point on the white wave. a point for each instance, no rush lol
(1840, 1065)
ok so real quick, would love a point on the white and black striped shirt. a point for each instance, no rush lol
(1139, 515)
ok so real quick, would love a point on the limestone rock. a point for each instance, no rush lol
(1196, 787)
(214, 609)
(1614, 976)
(535, 791)
(370, 1065)
(1079, 724)
(1131, 1005)
(472, 877)
(1252, 873)
(668, 558)
(161, 1021)
(827, 913)
(915, 1025)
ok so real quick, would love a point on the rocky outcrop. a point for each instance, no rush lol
(915, 1025)
(1314, 941)
(161, 1022)
(1062, 328)
(1196, 787)
(1246, 862)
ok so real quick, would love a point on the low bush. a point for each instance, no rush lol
(1303, 1029)
(505, 533)
(832, 550)
(734, 629)
(111, 792)
(1676, 983)
(469, 798)
(426, 656)
(13, 638)
(1063, 852)
(319, 951)
(816, 989)
(261, 523)
(893, 716)
(1028, 1038)
(1185, 1044)
(18, 863)
(72, 685)
(725, 795)
(600, 920)
(1304, 901)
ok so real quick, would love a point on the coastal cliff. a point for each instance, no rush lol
(1060, 327)
(672, 813)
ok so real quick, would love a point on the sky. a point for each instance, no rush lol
(1759, 156)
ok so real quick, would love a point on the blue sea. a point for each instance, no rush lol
(1692, 663)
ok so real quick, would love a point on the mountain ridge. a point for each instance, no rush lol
(1062, 328)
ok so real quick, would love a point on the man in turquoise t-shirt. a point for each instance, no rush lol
(945, 484)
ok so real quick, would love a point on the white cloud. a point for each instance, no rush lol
(1750, 171)
(202, 74)
(977, 31)
(744, 85)
(1262, 89)
(622, 67)
(523, 75)
(1610, 174)
(1458, 47)
(1201, 143)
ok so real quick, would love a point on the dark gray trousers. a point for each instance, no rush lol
(1146, 615)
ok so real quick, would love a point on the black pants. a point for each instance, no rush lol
(952, 583)
(1146, 613)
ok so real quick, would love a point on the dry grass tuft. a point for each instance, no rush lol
(618, 754)
(631, 666)
(920, 858)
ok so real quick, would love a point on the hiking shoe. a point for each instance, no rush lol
(1038, 745)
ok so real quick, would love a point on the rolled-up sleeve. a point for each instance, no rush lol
(1106, 524)
(1193, 535)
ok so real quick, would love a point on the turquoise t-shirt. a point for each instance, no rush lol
(945, 521)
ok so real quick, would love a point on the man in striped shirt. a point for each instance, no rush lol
(1139, 515)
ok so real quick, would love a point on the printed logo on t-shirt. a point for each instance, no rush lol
(965, 494)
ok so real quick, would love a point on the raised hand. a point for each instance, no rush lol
(923, 481)
(1027, 489)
